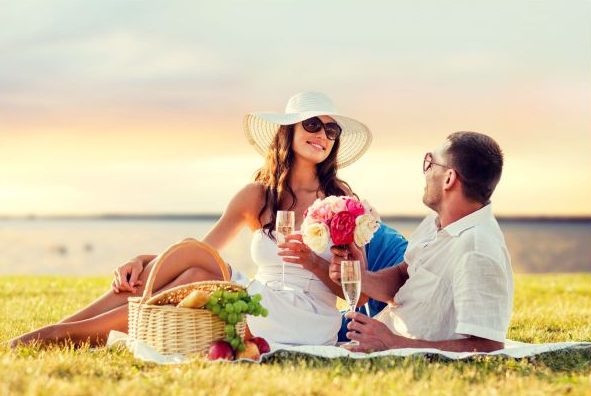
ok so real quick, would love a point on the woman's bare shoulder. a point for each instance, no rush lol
(249, 201)
(249, 198)
(254, 190)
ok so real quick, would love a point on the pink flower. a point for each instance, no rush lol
(355, 207)
(342, 219)
(320, 213)
(342, 227)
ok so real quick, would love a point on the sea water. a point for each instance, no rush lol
(98, 246)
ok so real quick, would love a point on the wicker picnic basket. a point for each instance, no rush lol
(157, 321)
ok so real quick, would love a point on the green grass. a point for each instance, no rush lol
(548, 308)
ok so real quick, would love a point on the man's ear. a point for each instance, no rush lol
(450, 178)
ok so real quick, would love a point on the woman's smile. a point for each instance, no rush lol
(317, 145)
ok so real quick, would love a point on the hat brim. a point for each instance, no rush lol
(260, 129)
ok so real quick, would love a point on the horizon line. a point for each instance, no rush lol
(216, 216)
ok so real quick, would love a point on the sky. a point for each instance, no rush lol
(136, 107)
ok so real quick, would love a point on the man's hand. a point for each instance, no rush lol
(371, 334)
(352, 252)
(126, 276)
(374, 335)
(295, 251)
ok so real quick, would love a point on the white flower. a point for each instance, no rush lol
(307, 221)
(316, 236)
(317, 203)
(365, 226)
(370, 209)
(336, 204)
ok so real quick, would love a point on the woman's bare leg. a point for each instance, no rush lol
(95, 330)
(177, 263)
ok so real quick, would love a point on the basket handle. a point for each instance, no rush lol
(183, 244)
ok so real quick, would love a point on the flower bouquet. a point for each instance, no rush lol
(338, 221)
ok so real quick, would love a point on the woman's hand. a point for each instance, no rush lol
(126, 276)
(295, 251)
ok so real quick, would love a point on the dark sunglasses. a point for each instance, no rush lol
(314, 124)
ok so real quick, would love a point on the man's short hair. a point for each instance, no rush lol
(479, 161)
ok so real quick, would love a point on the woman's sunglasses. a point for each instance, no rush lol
(314, 124)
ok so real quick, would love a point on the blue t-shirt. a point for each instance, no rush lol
(386, 249)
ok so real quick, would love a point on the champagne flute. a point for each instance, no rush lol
(284, 226)
(351, 283)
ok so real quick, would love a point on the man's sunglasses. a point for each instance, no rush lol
(314, 124)
(428, 162)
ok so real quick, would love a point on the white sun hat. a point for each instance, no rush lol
(261, 127)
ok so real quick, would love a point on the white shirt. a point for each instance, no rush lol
(460, 282)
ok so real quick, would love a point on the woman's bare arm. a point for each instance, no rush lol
(242, 211)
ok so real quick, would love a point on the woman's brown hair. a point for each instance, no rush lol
(274, 176)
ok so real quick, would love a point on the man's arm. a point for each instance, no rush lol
(374, 335)
(381, 285)
(384, 284)
(470, 344)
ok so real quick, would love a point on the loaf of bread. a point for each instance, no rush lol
(175, 295)
(195, 299)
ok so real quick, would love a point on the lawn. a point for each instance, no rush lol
(548, 308)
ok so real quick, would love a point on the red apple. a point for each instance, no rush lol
(262, 344)
(251, 351)
(220, 350)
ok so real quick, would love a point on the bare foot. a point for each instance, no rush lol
(43, 335)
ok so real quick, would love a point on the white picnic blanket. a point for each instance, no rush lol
(513, 349)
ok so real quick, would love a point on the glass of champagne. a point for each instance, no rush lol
(351, 283)
(284, 226)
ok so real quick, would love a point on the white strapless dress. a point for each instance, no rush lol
(306, 314)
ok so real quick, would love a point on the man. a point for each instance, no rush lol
(454, 290)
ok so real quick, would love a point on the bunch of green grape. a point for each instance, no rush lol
(231, 307)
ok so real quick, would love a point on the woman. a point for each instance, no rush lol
(303, 148)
